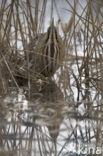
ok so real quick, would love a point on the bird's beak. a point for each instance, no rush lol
(52, 23)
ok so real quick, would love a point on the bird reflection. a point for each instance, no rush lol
(53, 96)
(51, 105)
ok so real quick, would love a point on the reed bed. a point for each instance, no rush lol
(77, 83)
(22, 21)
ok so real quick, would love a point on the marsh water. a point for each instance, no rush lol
(47, 123)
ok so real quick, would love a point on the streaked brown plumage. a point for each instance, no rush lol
(45, 55)
(46, 52)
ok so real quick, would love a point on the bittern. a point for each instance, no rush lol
(46, 52)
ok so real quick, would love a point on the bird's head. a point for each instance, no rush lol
(52, 30)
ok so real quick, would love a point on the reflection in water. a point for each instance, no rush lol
(51, 104)
(53, 96)
(44, 125)
(25, 124)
